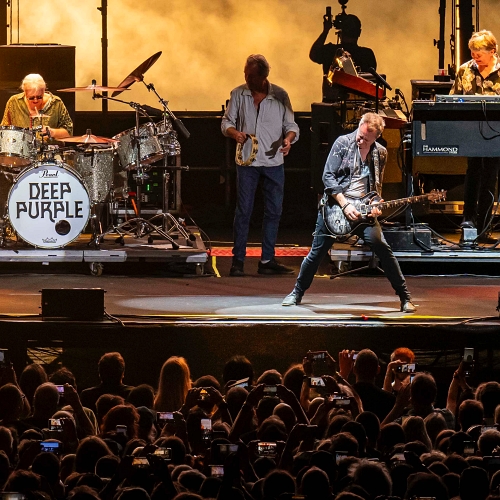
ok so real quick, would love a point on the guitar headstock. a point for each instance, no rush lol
(437, 195)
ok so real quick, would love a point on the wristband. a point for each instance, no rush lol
(342, 208)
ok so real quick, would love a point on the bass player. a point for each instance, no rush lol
(354, 167)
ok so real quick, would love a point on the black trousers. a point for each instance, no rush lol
(479, 190)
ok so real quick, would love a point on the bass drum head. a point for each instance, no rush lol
(48, 205)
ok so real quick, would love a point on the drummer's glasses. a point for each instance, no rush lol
(37, 97)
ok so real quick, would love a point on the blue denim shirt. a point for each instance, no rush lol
(340, 165)
(270, 123)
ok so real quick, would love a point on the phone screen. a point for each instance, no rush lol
(55, 425)
(316, 382)
(50, 447)
(266, 449)
(217, 470)
(206, 429)
(269, 390)
(164, 415)
(469, 354)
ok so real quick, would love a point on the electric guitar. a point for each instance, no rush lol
(338, 225)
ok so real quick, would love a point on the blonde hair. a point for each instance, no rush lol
(173, 385)
(33, 81)
(483, 40)
(374, 122)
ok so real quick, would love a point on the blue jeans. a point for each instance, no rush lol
(273, 182)
(372, 235)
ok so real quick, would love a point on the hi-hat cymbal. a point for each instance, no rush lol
(89, 138)
(94, 88)
(137, 75)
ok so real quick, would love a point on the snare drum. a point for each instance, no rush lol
(95, 165)
(149, 146)
(16, 147)
(168, 138)
(48, 205)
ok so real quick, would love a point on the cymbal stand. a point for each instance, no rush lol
(177, 123)
(137, 227)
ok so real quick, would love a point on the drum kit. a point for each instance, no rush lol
(56, 190)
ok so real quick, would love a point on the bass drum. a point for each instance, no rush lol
(48, 205)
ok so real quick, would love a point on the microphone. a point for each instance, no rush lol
(381, 80)
(152, 111)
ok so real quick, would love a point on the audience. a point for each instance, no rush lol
(309, 433)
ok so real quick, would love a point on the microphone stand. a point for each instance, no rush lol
(380, 81)
(138, 226)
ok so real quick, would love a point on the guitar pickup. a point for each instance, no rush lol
(364, 209)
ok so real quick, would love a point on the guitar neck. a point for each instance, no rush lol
(402, 201)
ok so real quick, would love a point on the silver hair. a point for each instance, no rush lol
(33, 81)
(374, 122)
(261, 62)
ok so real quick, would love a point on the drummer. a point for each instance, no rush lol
(25, 110)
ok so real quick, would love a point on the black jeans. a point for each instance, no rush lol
(372, 235)
(479, 190)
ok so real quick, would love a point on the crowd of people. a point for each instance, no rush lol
(323, 429)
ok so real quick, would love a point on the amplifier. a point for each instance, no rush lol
(399, 240)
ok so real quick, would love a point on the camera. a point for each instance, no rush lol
(60, 390)
(55, 425)
(317, 355)
(204, 395)
(51, 447)
(265, 449)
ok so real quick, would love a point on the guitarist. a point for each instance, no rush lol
(354, 167)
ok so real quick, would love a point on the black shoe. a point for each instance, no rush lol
(273, 267)
(237, 268)
(487, 239)
(467, 224)
(407, 306)
(292, 299)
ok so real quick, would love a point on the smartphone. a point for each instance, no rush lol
(243, 382)
(225, 449)
(206, 429)
(217, 470)
(485, 428)
(204, 395)
(3, 356)
(318, 355)
(469, 354)
(265, 449)
(60, 390)
(468, 361)
(51, 447)
(140, 462)
(55, 425)
(339, 456)
(469, 448)
(121, 429)
(11, 495)
(165, 453)
(412, 376)
(407, 368)
(316, 382)
(339, 399)
(354, 356)
(398, 457)
(270, 390)
(163, 416)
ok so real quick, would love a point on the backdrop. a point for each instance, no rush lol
(205, 43)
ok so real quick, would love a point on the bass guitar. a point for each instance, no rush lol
(338, 225)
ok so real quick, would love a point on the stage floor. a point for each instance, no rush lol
(256, 298)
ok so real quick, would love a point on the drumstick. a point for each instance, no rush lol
(134, 206)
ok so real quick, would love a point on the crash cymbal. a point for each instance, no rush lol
(88, 138)
(94, 88)
(137, 75)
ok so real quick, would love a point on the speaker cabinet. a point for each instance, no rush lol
(56, 64)
(325, 128)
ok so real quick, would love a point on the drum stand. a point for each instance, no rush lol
(137, 227)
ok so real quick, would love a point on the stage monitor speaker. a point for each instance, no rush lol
(56, 64)
(80, 304)
(326, 126)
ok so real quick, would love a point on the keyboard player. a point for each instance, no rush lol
(480, 76)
